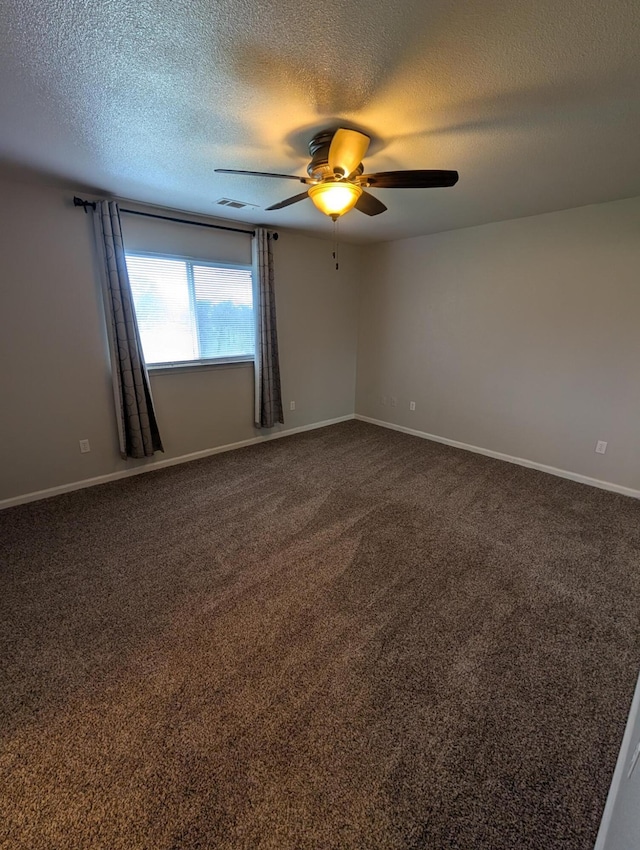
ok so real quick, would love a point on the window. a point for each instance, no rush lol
(191, 311)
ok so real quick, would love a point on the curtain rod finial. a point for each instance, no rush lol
(78, 202)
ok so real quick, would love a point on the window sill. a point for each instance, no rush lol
(198, 366)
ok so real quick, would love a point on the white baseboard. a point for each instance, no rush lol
(161, 464)
(173, 461)
(520, 461)
(620, 775)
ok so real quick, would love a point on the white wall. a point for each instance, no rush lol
(620, 827)
(521, 337)
(54, 369)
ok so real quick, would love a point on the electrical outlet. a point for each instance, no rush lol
(601, 447)
(394, 401)
(292, 405)
(383, 400)
(412, 405)
(84, 446)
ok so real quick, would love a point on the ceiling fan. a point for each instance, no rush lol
(337, 181)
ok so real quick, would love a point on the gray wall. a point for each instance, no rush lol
(520, 337)
(54, 379)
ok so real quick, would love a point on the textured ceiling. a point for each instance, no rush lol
(535, 102)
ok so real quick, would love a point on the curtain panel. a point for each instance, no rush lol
(137, 425)
(268, 395)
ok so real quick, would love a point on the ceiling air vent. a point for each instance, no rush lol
(235, 205)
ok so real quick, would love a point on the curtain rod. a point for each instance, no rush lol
(78, 202)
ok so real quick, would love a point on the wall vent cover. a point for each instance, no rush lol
(236, 205)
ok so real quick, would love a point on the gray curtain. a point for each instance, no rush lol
(137, 425)
(268, 396)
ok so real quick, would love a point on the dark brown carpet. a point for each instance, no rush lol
(349, 638)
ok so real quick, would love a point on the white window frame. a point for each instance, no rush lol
(190, 261)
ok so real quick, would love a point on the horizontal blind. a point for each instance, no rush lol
(224, 307)
(189, 311)
(161, 297)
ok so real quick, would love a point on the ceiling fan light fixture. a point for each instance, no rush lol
(335, 198)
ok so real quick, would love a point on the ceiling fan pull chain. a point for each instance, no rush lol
(335, 242)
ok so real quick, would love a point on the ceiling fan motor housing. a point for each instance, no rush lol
(318, 168)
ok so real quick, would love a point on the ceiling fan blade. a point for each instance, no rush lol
(347, 150)
(369, 205)
(289, 201)
(420, 179)
(261, 174)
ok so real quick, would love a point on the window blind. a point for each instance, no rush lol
(192, 311)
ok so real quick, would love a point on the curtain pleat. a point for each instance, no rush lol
(268, 395)
(137, 425)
